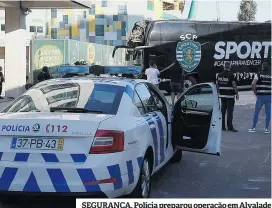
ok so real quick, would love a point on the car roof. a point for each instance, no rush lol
(96, 80)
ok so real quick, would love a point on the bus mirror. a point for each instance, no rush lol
(117, 47)
(113, 52)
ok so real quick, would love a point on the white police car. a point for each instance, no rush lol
(101, 137)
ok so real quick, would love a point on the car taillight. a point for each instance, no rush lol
(107, 141)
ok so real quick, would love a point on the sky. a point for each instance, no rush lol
(206, 10)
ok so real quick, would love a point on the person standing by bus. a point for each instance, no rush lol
(261, 86)
(44, 74)
(152, 73)
(2, 80)
(176, 80)
(227, 90)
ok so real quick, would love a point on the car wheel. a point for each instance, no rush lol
(177, 156)
(143, 187)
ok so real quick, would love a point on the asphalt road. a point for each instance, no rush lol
(242, 171)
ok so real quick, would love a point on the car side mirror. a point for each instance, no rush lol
(190, 103)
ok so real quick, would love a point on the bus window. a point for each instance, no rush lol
(130, 59)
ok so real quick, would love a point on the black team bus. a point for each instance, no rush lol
(202, 47)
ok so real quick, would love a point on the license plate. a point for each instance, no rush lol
(37, 143)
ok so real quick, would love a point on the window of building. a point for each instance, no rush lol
(168, 6)
(65, 19)
(40, 29)
(32, 28)
(150, 5)
(84, 15)
(2, 27)
(54, 13)
(54, 33)
(104, 3)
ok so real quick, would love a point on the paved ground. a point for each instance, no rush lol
(243, 170)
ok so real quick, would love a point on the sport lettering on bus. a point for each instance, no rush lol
(225, 49)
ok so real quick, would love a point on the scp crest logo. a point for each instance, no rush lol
(188, 54)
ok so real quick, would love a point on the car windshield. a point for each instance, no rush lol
(94, 97)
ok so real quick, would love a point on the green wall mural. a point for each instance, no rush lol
(53, 53)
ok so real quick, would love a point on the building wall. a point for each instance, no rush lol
(102, 24)
(35, 24)
(107, 22)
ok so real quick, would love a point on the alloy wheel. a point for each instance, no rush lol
(145, 179)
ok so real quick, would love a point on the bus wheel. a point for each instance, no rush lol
(189, 82)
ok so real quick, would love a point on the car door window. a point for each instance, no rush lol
(138, 103)
(146, 98)
(199, 98)
(159, 103)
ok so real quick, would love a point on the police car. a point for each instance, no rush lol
(101, 137)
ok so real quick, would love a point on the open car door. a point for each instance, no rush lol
(197, 120)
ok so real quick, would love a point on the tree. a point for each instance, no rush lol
(248, 9)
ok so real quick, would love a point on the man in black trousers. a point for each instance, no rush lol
(176, 76)
(227, 91)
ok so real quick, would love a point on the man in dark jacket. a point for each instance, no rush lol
(227, 91)
(176, 75)
(44, 75)
(176, 80)
(2, 79)
(261, 86)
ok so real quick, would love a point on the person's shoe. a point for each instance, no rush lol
(253, 130)
(267, 131)
(233, 130)
(1, 97)
(224, 129)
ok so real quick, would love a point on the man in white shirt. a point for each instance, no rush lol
(152, 73)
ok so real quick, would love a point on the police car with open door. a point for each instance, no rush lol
(101, 136)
